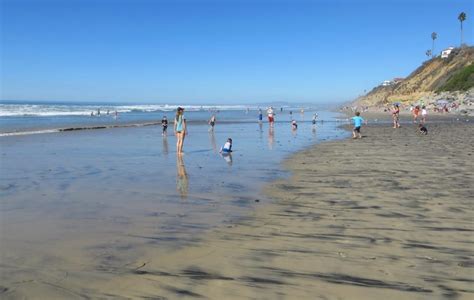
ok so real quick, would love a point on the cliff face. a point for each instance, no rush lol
(424, 82)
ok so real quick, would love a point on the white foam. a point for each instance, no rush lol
(50, 110)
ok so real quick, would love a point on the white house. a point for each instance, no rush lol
(445, 53)
(387, 83)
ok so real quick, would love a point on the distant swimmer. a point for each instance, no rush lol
(227, 148)
(164, 125)
(302, 111)
(98, 111)
(212, 122)
(92, 113)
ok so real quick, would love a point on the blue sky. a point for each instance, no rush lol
(216, 51)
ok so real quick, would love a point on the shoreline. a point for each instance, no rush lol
(338, 227)
(326, 235)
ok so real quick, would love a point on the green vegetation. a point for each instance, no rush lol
(460, 81)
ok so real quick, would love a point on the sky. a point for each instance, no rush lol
(217, 51)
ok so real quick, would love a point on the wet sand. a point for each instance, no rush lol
(388, 216)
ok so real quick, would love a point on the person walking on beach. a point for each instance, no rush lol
(396, 116)
(315, 116)
(180, 129)
(294, 125)
(357, 119)
(271, 116)
(424, 112)
(260, 115)
(212, 122)
(416, 113)
(164, 125)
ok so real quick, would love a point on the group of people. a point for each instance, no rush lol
(416, 112)
(180, 127)
(108, 113)
(181, 130)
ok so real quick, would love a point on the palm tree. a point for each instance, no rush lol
(434, 35)
(462, 18)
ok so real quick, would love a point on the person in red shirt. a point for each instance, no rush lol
(416, 113)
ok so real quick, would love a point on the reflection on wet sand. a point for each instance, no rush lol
(227, 157)
(165, 145)
(212, 137)
(182, 183)
(271, 138)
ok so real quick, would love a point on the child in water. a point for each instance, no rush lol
(164, 125)
(294, 125)
(212, 122)
(315, 116)
(227, 148)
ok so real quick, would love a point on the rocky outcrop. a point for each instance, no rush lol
(425, 82)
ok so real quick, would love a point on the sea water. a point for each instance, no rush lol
(99, 184)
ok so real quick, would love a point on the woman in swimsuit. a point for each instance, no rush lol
(180, 129)
(396, 116)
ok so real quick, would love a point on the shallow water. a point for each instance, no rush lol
(76, 199)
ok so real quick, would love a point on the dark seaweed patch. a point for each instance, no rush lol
(182, 292)
(196, 273)
(336, 278)
(262, 280)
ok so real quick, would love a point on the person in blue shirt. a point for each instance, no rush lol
(180, 129)
(357, 125)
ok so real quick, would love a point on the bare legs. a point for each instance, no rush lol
(180, 142)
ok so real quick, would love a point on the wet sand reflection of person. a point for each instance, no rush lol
(182, 183)
(260, 130)
(227, 157)
(212, 137)
(165, 145)
(271, 138)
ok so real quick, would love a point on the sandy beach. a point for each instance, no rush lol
(388, 216)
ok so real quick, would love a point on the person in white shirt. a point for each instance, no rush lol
(271, 116)
(227, 148)
(424, 113)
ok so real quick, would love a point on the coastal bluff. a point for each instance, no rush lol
(450, 78)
